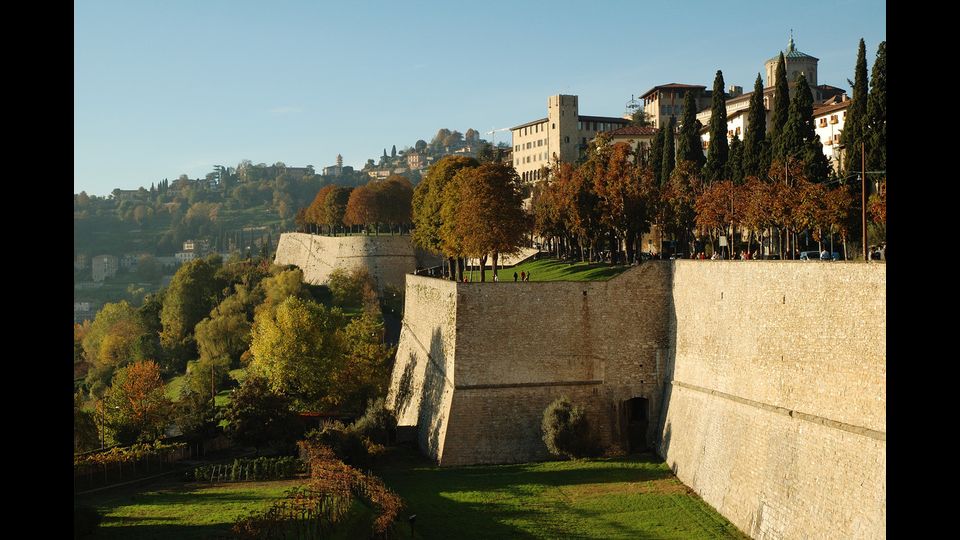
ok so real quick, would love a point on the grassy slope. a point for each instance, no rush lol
(555, 270)
(635, 497)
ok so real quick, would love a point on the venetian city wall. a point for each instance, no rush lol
(388, 258)
(765, 379)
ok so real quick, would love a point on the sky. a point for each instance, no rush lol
(175, 87)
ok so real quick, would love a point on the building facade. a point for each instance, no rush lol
(828, 121)
(562, 135)
(666, 100)
(104, 266)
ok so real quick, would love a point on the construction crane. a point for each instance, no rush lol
(493, 135)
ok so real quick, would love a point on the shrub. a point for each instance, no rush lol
(566, 431)
(377, 424)
(86, 519)
(346, 443)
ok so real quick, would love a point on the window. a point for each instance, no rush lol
(579, 126)
(736, 131)
(836, 137)
(554, 126)
(706, 144)
(833, 119)
(566, 139)
(823, 122)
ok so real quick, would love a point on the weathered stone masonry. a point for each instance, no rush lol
(765, 380)
(388, 258)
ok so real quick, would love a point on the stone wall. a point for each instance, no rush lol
(388, 258)
(765, 379)
(776, 405)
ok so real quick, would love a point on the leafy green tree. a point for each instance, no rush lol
(196, 415)
(258, 416)
(111, 339)
(639, 118)
(669, 154)
(355, 288)
(366, 372)
(854, 127)
(428, 199)
(224, 336)
(193, 292)
(689, 147)
(718, 151)
(149, 269)
(756, 132)
(876, 123)
(799, 128)
(297, 348)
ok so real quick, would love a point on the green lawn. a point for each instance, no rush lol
(633, 497)
(174, 509)
(555, 270)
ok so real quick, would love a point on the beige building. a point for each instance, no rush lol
(666, 100)
(104, 266)
(640, 138)
(562, 135)
(828, 122)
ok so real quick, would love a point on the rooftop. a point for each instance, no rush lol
(675, 86)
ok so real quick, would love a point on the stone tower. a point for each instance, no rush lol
(339, 161)
(796, 63)
(562, 115)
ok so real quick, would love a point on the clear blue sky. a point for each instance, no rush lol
(175, 87)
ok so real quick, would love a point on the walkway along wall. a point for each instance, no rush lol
(388, 258)
(764, 380)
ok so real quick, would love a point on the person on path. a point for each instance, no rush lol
(523, 276)
(528, 276)
(514, 276)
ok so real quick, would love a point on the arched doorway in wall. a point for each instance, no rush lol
(637, 421)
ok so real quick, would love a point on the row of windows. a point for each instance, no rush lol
(530, 176)
(536, 128)
(675, 110)
(596, 126)
(833, 120)
(541, 156)
(529, 145)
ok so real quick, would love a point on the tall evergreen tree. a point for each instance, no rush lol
(853, 127)
(781, 105)
(876, 125)
(735, 163)
(689, 147)
(753, 139)
(656, 156)
(393, 151)
(799, 128)
(718, 151)
(669, 152)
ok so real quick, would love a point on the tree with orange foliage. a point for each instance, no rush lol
(489, 217)
(877, 204)
(136, 406)
(716, 209)
(362, 208)
(315, 213)
(395, 197)
(678, 198)
(616, 182)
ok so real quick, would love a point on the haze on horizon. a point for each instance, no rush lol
(176, 88)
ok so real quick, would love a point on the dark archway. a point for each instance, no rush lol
(637, 421)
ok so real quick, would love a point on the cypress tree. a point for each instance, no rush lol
(669, 154)
(756, 133)
(876, 125)
(735, 163)
(853, 127)
(656, 156)
(799, 129)
(689, 147)
(781, 105)
(718, 151)
(393, 151)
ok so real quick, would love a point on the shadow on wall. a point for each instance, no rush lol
(669, 362)
(405, 387)
(431, 404)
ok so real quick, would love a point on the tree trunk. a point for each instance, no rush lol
(451, 269)
(483, 268)
(496, 256)
(631, 237)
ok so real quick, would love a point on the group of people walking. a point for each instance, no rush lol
(523, 276)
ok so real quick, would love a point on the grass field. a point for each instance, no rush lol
(555, 270)
(174, 509)
(632, 497)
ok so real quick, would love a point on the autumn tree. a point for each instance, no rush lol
(136, 406)
(362, 208)
(616, 181)
(395, 198)
(717, 152)
(678, 198)
(335, 207)
(427, 202)
(715, 210)
(315, 213)
(365, 373)
(489, 217)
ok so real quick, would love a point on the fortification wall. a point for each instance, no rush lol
(422, 385)
(388, 258)
(776, 402)
(766, 380)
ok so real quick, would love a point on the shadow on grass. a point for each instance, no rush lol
(510, 501)
(163, 532)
